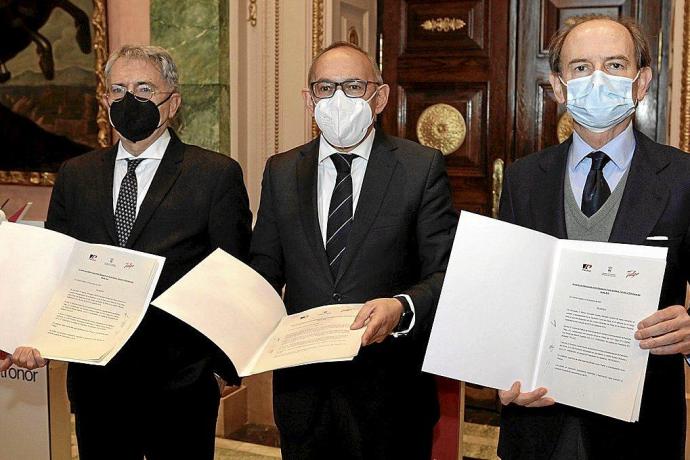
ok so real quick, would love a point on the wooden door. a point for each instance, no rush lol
(454, 53)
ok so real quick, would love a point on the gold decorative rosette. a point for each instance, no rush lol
(442, 127)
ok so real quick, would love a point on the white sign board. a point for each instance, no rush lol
(24, 424)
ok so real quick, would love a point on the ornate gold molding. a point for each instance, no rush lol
(442, 127)
(27, 178)
(316, 42)
(276, 78)
(316, 27)
(443, 24)
(685, 91)
(564, 128)
(252, 13)
(100, 48)
(497, 187)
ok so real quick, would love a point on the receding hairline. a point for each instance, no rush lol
(373, 68)
(633, 28)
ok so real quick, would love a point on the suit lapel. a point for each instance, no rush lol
(376, 178)
(105, 186)
(547, 197)
(645, 195)
(307, 170)
(167, 173)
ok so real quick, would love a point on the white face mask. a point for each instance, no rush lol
(600, 101)
(343, 120)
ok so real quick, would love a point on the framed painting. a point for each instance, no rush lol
(52, 54)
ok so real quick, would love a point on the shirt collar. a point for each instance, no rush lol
(363, 150)
(620, 149)
(155, 151)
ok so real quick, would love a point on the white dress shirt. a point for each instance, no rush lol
(620, 149)
(326, 183)
(152, 157)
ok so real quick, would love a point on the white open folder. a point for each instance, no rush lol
(521, 305)
(71, 300)
(242, 314)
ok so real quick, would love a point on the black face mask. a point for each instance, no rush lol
(134, 119)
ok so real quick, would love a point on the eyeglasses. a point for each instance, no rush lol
(324, 89)
(142, 92)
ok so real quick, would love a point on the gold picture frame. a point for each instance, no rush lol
(684, 143)
(99, 48)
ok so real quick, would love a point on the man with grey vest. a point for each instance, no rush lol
(608, 182)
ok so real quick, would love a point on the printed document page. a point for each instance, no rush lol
(590, 358)
(72, 301)
(579, 339)
(242, 314)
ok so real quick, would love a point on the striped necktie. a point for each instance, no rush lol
(340, 214)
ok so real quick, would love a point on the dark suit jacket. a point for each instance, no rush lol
(399, 244)
(196, 203)
(656, 202)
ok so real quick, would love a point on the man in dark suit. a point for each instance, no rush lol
(356, 216)
(608, 182)
(151, 192)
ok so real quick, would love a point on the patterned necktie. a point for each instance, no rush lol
(126, 209)
(596, 190)
(340, 211)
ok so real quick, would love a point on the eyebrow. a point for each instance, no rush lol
(142, 82)
(619, 57)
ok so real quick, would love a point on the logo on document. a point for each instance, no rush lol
(609, 273)
(631, 273)
(93, 257)
(129, 265)
(586, 267)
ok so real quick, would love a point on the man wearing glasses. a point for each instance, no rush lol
(151, 192)
(357, 216)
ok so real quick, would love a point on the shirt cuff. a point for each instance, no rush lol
(407, 331)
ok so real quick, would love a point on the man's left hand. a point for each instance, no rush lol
(380, 316)
(666, 332)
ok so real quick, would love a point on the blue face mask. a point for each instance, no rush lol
(600, 101)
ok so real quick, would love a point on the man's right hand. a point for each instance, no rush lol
(28, 358)
(534, 398)
(5, 360)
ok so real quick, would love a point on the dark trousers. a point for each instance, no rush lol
(339, 434)
(178, 424)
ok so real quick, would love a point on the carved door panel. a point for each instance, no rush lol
(540, 122)
(447, 63)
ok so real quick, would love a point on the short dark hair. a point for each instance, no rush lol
(335, 45)
(642, 54)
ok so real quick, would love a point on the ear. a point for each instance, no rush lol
(643, 82)
(175, 101)
(308, 101)
(559, 92)
(104, 101)
(381, 98)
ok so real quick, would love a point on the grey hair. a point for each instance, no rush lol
(374, 66)
(156, 55)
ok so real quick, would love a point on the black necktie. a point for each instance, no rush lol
(596, 190)
(340, 211)
(126, 209)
